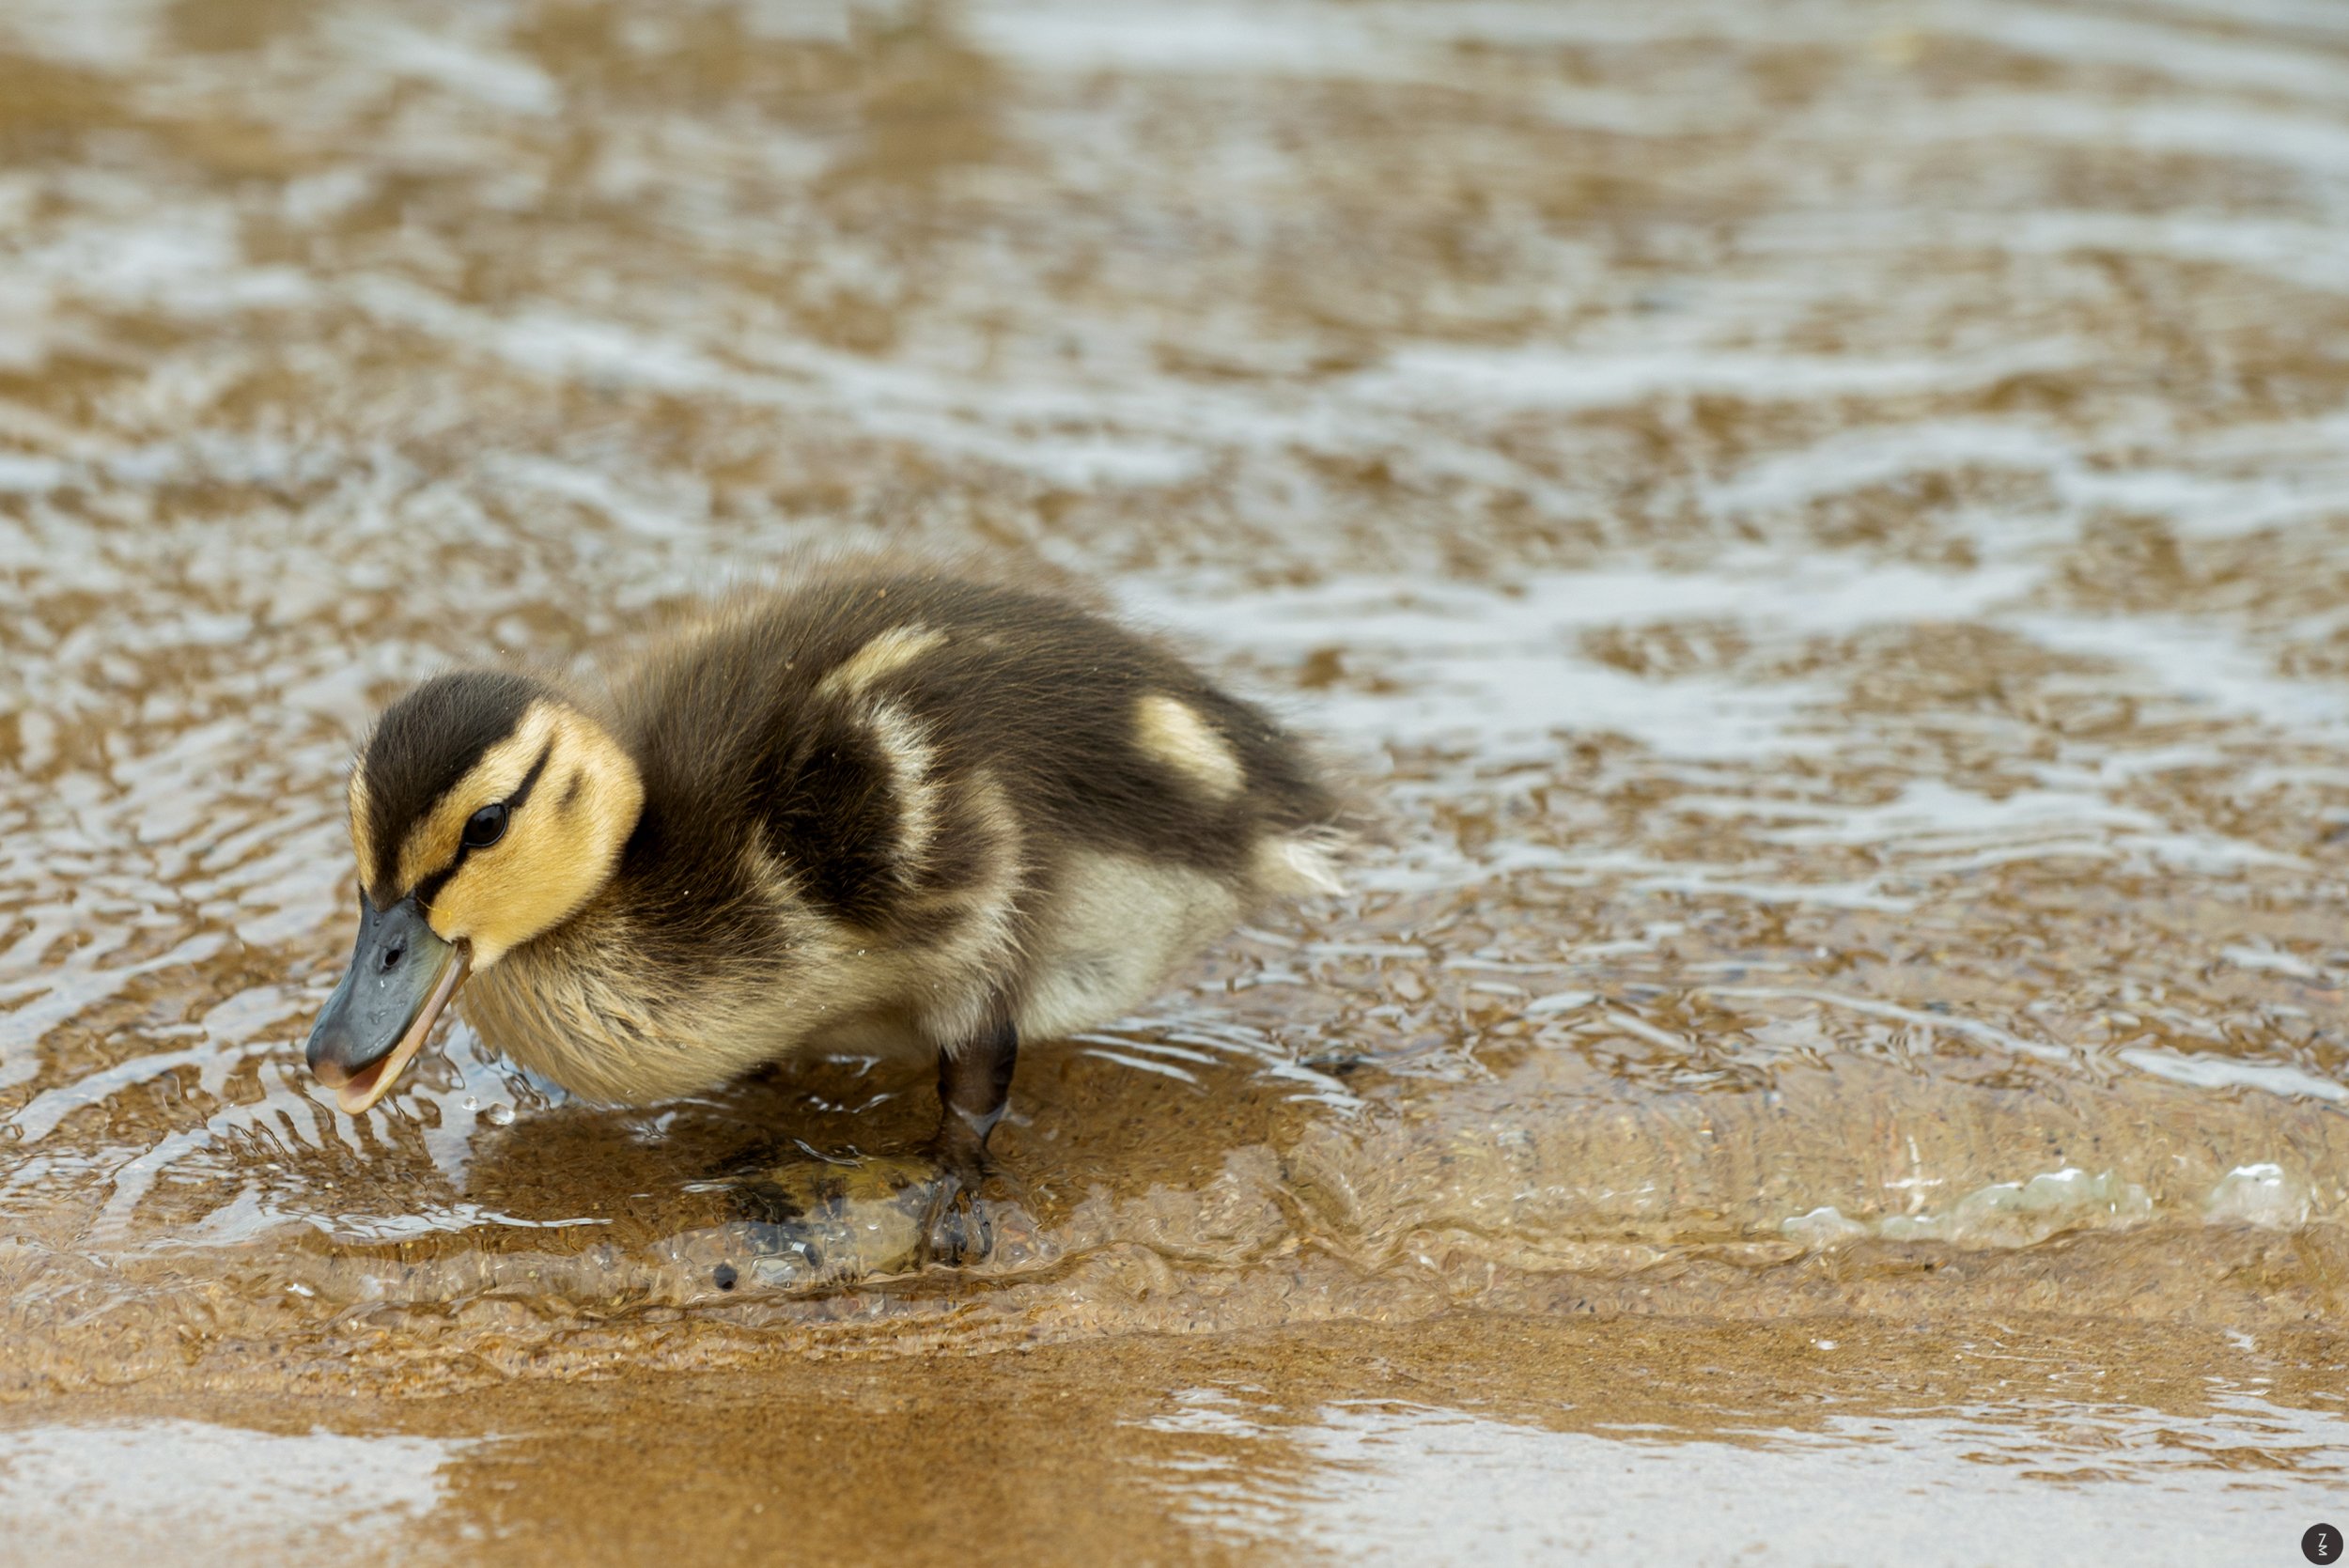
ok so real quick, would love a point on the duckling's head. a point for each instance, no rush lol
(485, 810)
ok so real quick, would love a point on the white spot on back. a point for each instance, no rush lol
(1298, 864)
(893, 649)
(1173, 733)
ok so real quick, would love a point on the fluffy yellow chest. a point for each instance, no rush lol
(588, 1008)
(579, 1009)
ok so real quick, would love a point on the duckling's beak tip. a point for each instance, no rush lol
(358, 1092)
(401, 980)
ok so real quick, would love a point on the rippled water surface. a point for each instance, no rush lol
(1821, 530)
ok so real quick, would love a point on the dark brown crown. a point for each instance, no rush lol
(424, 744)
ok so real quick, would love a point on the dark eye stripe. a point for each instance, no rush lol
(427, 744)
(429, 887)
(529, 780)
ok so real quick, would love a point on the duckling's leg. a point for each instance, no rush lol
(973, 1086)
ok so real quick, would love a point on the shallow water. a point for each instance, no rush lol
(1819, 530)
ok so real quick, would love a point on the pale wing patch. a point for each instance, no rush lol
(891, 650)
(1173, 733)
(775, 885)
(910, 754)
(964, 970)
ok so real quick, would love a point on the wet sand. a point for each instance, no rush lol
(1819, 531)
(1469, 1438)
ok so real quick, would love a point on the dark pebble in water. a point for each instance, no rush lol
(724, 1276)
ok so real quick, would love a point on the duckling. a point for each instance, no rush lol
(878, 812)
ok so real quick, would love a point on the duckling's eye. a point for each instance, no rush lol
(485, 826)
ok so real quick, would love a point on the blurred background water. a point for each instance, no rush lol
(1822, 528)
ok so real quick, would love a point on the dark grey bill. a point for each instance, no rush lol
(402, 974)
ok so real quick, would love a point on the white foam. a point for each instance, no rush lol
(2196, 505)
(2272, 960)
(2301, 142)
(2206, 1070)
(20, 471)
(2186, 56)
(1950, 1023)
(1220, 36)
(1447, 376)
(1472, 663)
(470, 66)
(2198, 661)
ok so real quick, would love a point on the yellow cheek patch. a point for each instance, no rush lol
(561, 844)
(432, 842)
(1173, 733)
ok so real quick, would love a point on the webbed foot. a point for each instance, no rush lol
(818, 1222)
(822, 1222)
(955, 1229)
